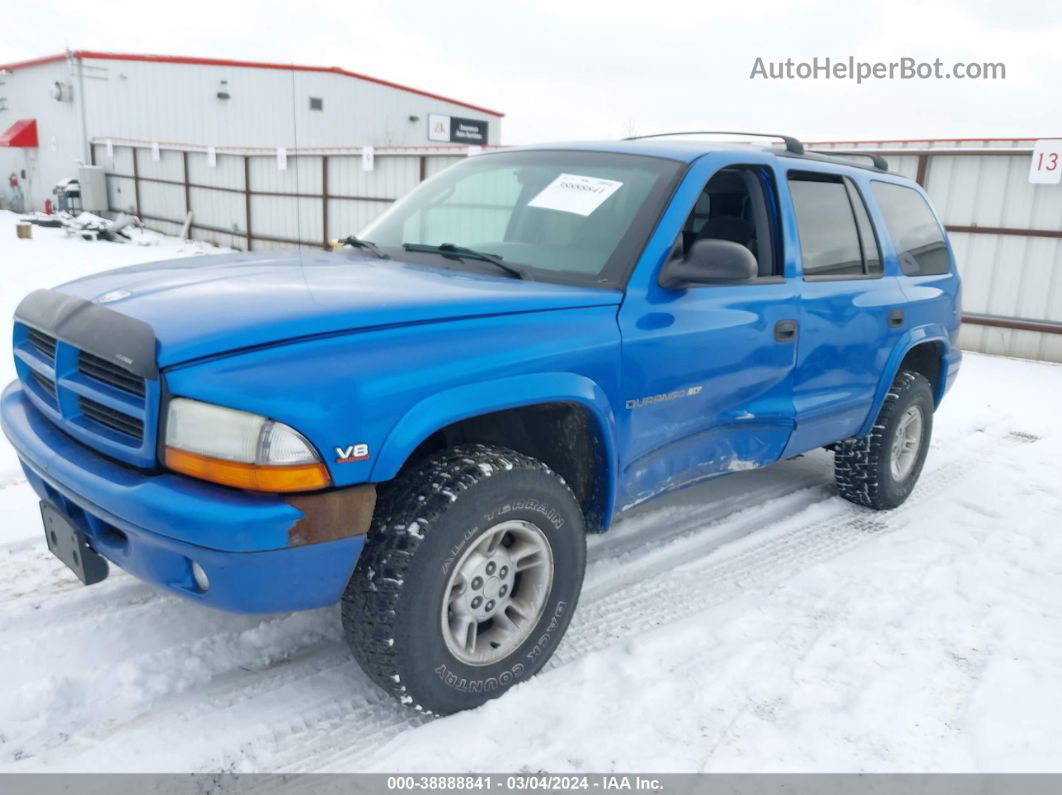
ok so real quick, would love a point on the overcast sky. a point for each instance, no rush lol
(605, 68)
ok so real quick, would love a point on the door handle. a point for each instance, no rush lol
(785, 331)
(896, 318)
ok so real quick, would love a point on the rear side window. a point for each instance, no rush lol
(913, 228)
(836, 237)
(868, 238)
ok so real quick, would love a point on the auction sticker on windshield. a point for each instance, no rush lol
(572, 193)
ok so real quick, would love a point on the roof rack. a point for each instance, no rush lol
(880, 163)
(791, 144)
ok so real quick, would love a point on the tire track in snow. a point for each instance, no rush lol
(122, 617)
(308, 747)
(306, 705)
(243, 685)
(105, 690)
(626, 603)
(823, 531)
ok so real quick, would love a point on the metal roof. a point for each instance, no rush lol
(191, 60)
(876, 142)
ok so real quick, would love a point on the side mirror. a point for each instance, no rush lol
(710, 261)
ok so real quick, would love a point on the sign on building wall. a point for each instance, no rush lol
(1046, 165)
(456, 130)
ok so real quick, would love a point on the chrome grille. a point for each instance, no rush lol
(112, 374)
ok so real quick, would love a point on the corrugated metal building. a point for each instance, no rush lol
(163, 106)
(1006, 232)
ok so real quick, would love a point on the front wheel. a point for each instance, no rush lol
(468, 579)
(880, 470)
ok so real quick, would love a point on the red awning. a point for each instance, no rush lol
(21, 133)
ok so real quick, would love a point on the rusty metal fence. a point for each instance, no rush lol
(261, 198)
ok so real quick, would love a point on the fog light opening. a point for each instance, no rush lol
(202, 582)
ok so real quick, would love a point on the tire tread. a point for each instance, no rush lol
(406, 512)
(858, 462)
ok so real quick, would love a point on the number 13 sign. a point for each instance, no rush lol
(1046, 166)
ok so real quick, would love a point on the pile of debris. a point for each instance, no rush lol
(88, 226)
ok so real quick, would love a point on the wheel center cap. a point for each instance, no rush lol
(492, 587)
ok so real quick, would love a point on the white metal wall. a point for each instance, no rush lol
(391, 178)
(25, 95)
(168, 102)
(178, 103)
(1006, 233)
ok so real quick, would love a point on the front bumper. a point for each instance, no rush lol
(154, 526)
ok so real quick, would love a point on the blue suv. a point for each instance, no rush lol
(424, 424)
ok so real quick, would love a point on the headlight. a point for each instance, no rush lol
(237, 448)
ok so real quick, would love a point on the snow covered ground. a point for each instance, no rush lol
(753, 623)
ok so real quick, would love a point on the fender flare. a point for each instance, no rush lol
(485, 397)
(920, 335)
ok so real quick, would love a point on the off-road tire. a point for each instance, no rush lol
(862, 466)
(425, 521)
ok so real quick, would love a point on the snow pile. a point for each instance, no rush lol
(88, 226)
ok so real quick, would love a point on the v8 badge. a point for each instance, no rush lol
(352, 453)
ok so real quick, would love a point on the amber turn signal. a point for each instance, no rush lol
(275, 479)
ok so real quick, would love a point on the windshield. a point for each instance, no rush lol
(556, 215)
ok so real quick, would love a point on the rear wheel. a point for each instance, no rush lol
(880, 470)
(469, 577)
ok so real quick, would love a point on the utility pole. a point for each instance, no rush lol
(75, 63)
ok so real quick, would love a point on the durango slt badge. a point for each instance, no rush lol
(675, 395)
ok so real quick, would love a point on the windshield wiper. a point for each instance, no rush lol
(364, 245)
(461, 252)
